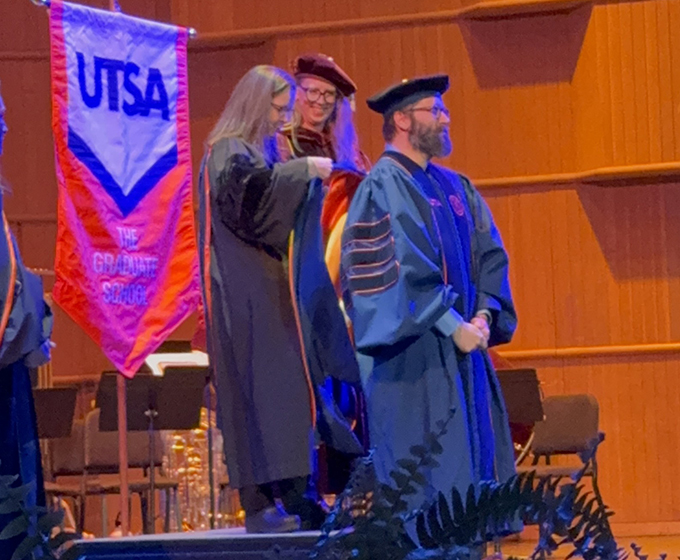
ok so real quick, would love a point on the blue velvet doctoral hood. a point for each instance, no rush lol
(327, 346)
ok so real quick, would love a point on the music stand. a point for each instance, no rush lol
(181, 353)
(54, 409)
(171, 402)
(523, 400)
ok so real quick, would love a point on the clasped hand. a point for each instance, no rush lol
(472, 336)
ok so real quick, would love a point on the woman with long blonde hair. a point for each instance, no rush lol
(249, 203)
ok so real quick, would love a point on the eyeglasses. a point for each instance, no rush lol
(436, 111)
(313, 95)
(282, 110)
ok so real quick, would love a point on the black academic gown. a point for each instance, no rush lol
(265, 396)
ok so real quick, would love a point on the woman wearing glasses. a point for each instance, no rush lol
(249, 202)
(323, 125)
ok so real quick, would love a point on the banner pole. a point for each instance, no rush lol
(123, 456)
(112, 6)
(122, 426)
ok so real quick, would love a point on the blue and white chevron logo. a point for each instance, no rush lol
(122, 114)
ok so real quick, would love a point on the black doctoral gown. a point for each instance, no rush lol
(269, 398)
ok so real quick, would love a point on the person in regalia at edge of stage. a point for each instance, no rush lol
(272, 310)
(425, 280)
(25, 329)
(323, 125)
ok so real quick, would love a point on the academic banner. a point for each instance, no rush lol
(126, 258)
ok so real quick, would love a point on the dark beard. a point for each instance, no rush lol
(430, 140)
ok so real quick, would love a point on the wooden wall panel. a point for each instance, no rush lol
(530, 95)
(497, 132)
(523, 221)
(627, 72)
(28, 161)
(212, 75)
(227, 15)
(23, 27)
(598, 264)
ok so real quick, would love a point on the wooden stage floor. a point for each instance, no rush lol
(227, 544)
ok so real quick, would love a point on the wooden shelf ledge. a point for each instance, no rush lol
(481, 10)
(25, 56)
(32, 218)
(591, 351)
(513, 8)
(486, 9)
(602, 176)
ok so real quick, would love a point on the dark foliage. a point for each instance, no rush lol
(37, 524)
(369, 519)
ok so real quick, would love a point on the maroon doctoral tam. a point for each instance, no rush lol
(321, 66)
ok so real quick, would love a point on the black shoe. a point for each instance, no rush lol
(272, 520)
(311, 514)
